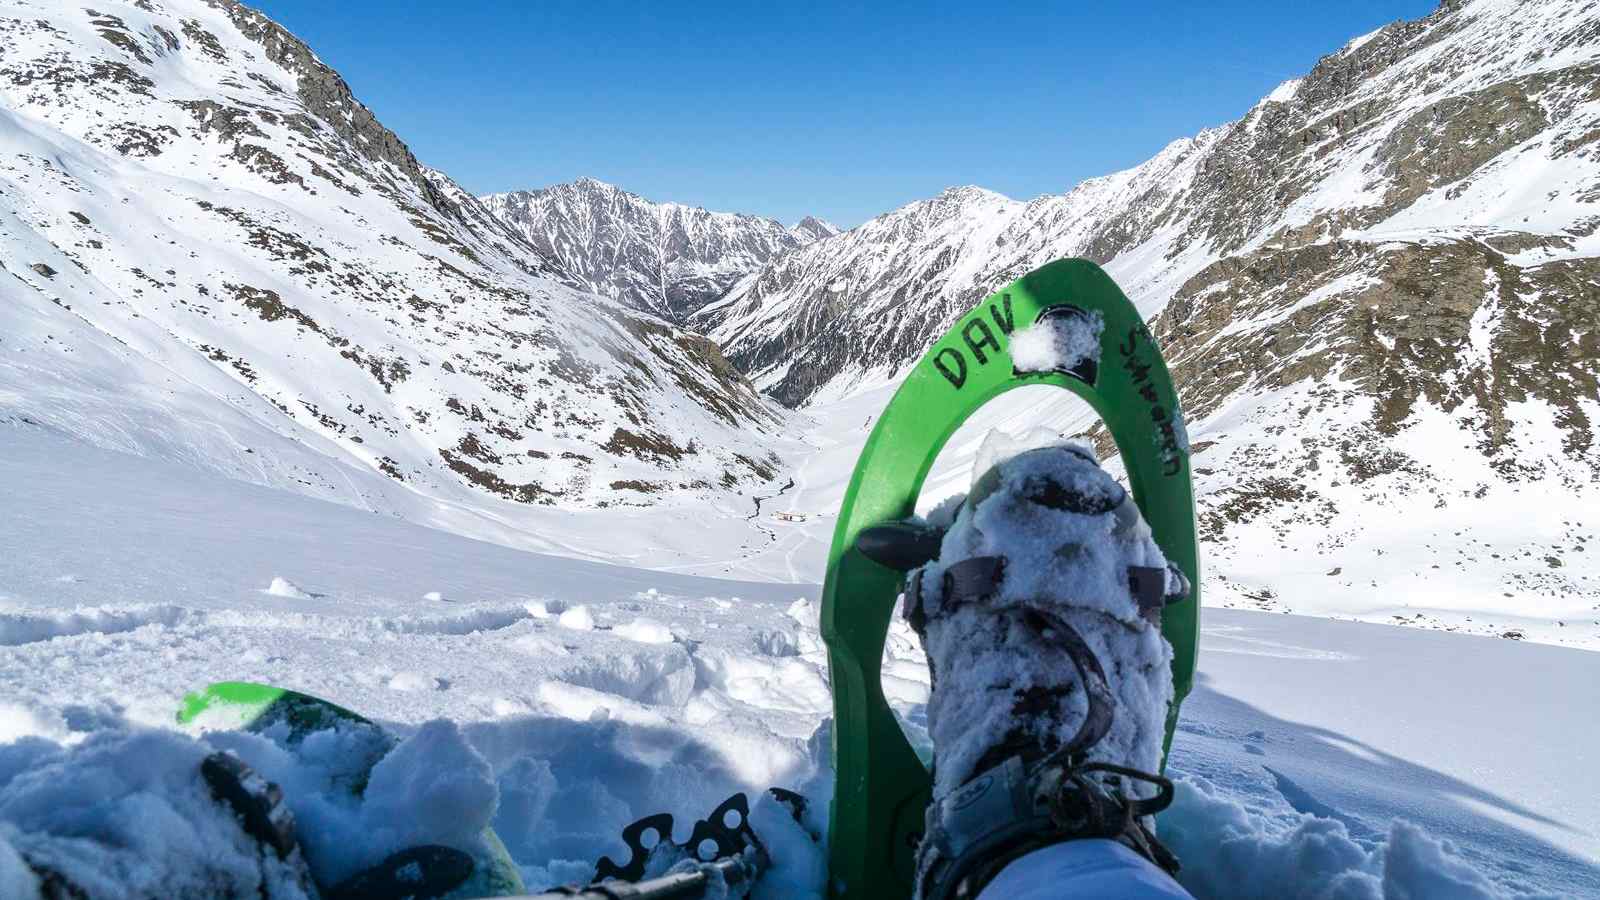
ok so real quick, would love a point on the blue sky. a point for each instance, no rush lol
(839, 110)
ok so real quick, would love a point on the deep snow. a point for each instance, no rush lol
(128, 582)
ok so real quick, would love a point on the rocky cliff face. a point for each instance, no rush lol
(665, 258)
(1379, 289)
(211, 250)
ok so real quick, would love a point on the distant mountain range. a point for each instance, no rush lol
(665, 258)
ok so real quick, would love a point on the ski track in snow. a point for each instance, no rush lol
(598, 694)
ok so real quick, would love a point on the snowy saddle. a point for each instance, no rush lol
(1038, 603)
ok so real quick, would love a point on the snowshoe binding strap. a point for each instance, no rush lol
(416, 873)
(898, 543)
(901, 546)
(1101, 702)
(1012, 809)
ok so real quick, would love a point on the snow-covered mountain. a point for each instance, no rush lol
(1380, 290)
(666, 258)
(811, 229)
(212, 251)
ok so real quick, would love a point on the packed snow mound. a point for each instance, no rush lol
(283, 587)
(1228, 851)
(124, 813)
(645, 631)
(26, 627)
(578, 618)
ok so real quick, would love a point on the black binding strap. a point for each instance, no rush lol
(901, 546)
(1148, 585)
(972, 580)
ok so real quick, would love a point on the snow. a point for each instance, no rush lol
(645, 631)
(1058, 343)
(1244, 856)
(1284, 92)
(577, 618)
(1294, 719)
(1357, 43)
(413, 681)
(283, 587)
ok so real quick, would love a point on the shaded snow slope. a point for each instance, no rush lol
(212, 251)
(1304, 743)
(669, 259)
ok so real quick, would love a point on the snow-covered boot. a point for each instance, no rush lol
(1040, 618)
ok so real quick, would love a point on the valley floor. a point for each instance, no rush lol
(125, 583)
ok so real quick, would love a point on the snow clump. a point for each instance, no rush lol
(1058, 343)
(645, 631)
(578, 618)
(283, 587)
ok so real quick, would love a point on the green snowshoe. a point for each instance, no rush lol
(882, 787)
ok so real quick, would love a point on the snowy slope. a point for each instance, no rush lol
(213, 252)
(1379, 291)
(665, 258)
(596, 694)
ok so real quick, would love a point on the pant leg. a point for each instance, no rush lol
(1083, 870)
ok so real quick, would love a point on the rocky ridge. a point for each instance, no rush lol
(665, 258)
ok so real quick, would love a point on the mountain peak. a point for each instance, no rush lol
(969, 193)
(590, 183)
(811, 228)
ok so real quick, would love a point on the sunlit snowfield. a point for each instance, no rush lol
(126, 582)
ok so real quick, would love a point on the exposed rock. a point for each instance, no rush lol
(664, 258)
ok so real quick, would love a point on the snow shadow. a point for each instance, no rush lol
(1281, 771)
(568, 787)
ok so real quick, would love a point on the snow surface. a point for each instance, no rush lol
(1305, 742)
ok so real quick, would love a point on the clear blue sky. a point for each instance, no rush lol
(839, 110)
